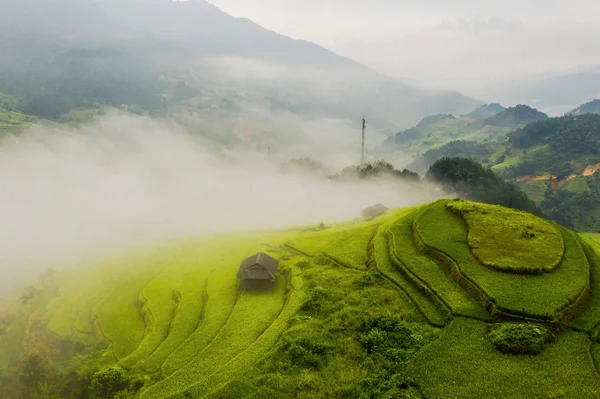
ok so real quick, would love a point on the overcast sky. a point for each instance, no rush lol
(458, 44)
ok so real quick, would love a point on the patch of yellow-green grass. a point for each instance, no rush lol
(425, 304)
(436, 277)
(203, 318)
(158, 309)
(510, 240)
(549, 296)
(346, 244)
(250, 356)
(464, 364)
(576, 185)
(73, 314)
(190, 297)
(254, 312)
(535, 189)
(588, 320)
(119, 315)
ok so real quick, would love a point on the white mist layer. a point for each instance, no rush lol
(127, 182)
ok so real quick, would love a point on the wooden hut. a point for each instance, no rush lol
(374, 211)
(257, 273)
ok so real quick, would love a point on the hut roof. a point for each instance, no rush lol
(269, 263)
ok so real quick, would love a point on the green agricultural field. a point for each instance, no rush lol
(464, 364)
(393, 307)
(510, 241)
(576, 185)
(535, 189)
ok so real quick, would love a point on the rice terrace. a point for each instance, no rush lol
(452, 299)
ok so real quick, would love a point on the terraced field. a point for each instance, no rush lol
(175, 317)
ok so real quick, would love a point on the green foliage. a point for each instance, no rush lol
(510, 241)
(519, 339)
(390, 339)
(457, 148)
(108, 382)
(472, 181)
(376, 170)
(572, 135)
(306, 349)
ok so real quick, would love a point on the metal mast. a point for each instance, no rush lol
(364, 125)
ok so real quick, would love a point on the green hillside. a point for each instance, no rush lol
(369, 309)
(11, 116)
(593, 107)
(436, 131)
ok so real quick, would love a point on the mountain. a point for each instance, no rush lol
(593, 107)
(60, 54)
(514, 116)
(485, 111)
(554, 161)
(557, 93)
(435, 131)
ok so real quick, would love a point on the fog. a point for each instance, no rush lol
(124, 182)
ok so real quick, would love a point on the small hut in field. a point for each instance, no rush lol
(257, 273)
(374, 211)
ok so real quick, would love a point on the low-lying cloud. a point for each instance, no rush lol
(124, 182)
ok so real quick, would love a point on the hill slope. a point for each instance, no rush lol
(593, 107)
(61, 54)
(434, 131)
(373, 303)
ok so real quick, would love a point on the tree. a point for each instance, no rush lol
(108, 382)
(470, 180)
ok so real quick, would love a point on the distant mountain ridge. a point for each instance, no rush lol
(593, 107)
(485, 111)
(514, 116)
(156, 43)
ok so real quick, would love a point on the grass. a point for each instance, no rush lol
(535, 189)
(357, 311)
(437, 278)
(250, 356)
(589, 318)
(510, 240)
(426, 304)
(547, 297)
(347, 245)
(576, 185)
(464, 364)
(228, 343)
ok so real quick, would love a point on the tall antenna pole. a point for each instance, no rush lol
(364, 125)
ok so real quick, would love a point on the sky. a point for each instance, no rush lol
(470, 45)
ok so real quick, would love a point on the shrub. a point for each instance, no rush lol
(108, 382)
(306, 349)
(519, 339)
(388, 337)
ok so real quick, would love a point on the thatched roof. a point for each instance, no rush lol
(269, 263)
(377, 209)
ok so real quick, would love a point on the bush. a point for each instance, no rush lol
(387, 337)
(108, 382)
(306, 349)
(519, 339)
